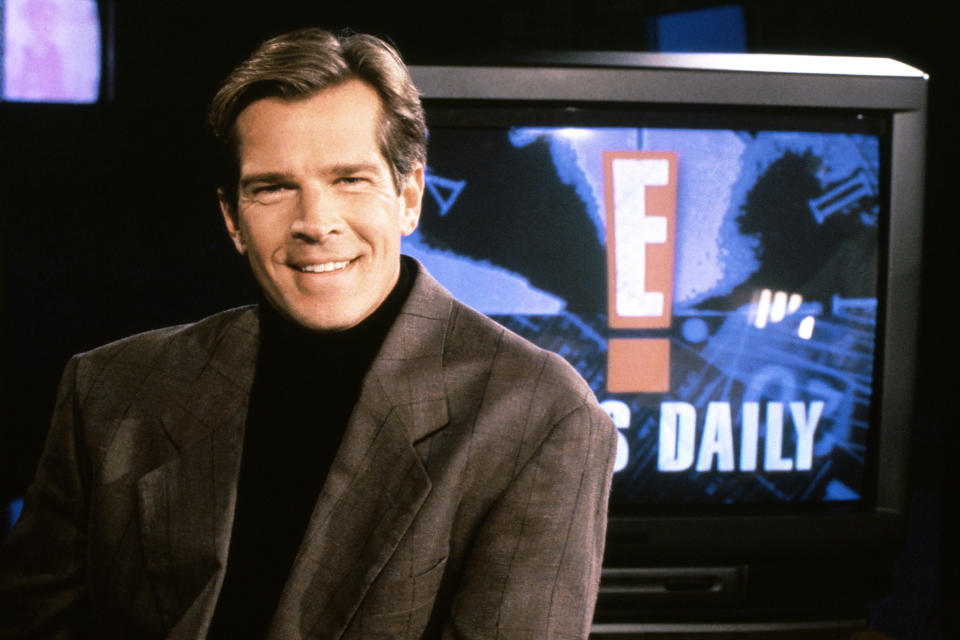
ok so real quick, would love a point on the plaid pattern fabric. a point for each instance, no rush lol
(467, 500)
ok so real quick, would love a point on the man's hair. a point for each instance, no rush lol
(299, 64)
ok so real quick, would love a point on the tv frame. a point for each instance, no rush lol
(701, 572)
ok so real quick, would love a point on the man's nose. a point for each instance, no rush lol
(318, 216)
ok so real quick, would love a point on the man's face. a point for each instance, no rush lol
(318, 213)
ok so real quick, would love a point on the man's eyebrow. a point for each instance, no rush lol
(268, 176)
(348, 168)
(340, 169)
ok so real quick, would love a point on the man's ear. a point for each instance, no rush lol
(232, 222)
(412, 192)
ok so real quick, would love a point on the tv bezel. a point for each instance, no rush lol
(761, 82)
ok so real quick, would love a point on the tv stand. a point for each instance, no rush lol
(754, 599)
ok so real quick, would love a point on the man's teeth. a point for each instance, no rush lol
(326, 266)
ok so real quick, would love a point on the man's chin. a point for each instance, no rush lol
(323, 319)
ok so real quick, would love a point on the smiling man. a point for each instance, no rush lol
(318, 212)
(357, 456)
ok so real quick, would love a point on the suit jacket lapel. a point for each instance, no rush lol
(377, 482)
(186, 505)
(373, 492)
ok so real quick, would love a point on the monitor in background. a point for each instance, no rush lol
(727, 248)
(709, 29)
(52, 51)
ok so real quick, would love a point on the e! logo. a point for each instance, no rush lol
(640, 189)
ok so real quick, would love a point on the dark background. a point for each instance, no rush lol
(110, 224)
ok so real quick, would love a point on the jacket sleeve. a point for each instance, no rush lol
(42, 561)
(534, 567)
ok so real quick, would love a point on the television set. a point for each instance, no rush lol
(727, 247)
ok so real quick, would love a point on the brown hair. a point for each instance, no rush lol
(299, 64)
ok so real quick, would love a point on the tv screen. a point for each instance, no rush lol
(717, 287)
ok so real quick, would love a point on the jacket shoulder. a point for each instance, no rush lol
(178, 348)
(199, 333)
(515, 366)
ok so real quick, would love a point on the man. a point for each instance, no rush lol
(358, 456)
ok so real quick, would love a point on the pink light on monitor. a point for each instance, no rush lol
(52, 51)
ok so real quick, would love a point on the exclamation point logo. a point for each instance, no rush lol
(640, 189)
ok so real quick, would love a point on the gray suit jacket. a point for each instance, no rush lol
(467, 500)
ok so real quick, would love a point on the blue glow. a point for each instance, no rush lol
(14, 507)
(837, 491)
(716, 30)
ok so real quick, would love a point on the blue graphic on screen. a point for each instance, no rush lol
(774, 302)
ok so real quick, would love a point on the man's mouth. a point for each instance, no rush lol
(324, 267)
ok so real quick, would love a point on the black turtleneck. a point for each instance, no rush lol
(305, 387)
